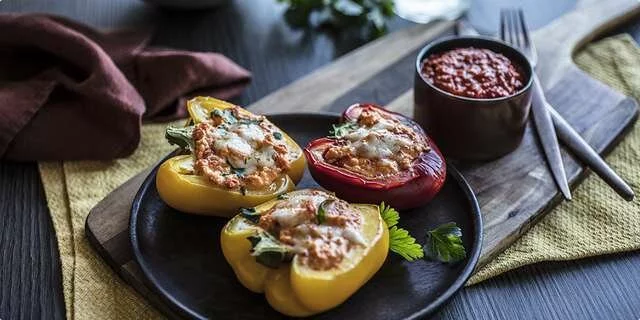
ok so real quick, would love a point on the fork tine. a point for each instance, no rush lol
(503, 25)
(523, 26)
(507, 18)
(517, 33)
(527, 42)
(518, 25)
(510, 34)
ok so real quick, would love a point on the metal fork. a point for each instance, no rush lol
(513, 30)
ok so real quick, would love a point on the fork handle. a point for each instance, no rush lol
(581, 149)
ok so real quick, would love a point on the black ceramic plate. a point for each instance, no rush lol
(181, 258)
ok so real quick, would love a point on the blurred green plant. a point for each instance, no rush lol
(340, 14)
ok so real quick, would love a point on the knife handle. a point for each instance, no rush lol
(581, 149)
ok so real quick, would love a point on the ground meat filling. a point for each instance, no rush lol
(241, 151)
(376, 146)
(321, 244)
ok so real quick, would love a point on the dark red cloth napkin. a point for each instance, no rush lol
(70, 92)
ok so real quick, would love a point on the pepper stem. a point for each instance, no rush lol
(180, 136)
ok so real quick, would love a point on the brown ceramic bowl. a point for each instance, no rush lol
(472, 128)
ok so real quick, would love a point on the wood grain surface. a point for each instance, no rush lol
(600, 288)
(26, 241)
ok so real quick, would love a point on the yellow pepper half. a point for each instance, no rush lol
(183, 190)
(293, 288)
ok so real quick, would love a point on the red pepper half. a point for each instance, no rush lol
(408, 189)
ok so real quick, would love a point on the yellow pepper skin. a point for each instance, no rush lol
(190, 193)
(195, 194)
(295, 289)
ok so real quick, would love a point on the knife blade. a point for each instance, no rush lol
(548, 139)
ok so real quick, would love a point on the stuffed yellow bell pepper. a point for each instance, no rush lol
(308, 251)
(234, 159)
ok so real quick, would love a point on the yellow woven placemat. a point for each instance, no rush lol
(596, 222)
(91, 289)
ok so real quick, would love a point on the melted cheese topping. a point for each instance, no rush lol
(239, 150)
(376, 146)
(321, 243)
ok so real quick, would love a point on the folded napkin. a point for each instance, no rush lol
(595, 222)
(70, 92)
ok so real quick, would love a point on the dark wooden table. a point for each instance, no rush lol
(252, 33)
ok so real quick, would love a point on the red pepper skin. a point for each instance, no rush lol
(409, 189)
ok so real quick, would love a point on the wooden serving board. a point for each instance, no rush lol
(514, 191)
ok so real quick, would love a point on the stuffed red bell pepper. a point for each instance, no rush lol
(375, 155)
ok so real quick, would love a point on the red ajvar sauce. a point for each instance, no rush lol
(473, 73)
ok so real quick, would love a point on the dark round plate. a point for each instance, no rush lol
(181, 259)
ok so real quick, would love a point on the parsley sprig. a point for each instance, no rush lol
(444, 243)
(400, 241)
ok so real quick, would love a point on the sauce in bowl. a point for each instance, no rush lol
(473, 73)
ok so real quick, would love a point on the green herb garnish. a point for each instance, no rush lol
(226, 115)
(216, 113)
(180, 136)
(321, 214)
(444, 243)
(268, 250)
(277, 135)
(248, 121)
(283, 197)
(400, 241)
(342, 129)
(237, 171)
(243, 190)
(250, 214)
(389, 215)
(371, 14)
